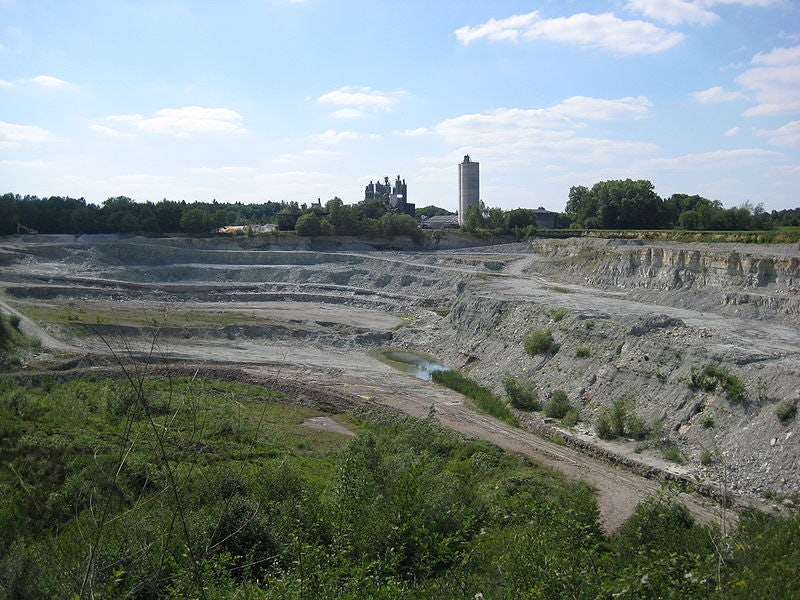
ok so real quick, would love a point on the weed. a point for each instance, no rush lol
(786, 411)
(706, 457)
(672, 454)
(707, 422)
(583, 352)
(558, 314)
(521, 395)
(710, 377)
(539, 341)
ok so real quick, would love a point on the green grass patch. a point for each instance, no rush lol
(521, 394)
(482, 396)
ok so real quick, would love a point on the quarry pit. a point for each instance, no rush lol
(631, 319)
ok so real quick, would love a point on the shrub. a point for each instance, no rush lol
(571, 418)
(558, 405)
(706, 457)
(521, 395)
(672, 454)
(539, 341)
(558, 314)
(786, 411)
(710, 377)
(583, 352)
(618, 420)
(707, 422)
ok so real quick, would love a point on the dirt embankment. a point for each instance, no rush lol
(632, 321)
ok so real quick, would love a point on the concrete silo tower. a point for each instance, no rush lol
(468, 187)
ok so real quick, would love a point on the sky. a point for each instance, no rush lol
(295, 100)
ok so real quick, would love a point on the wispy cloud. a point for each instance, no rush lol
(775, 79)
(360, 100)
(787, 135)
(14, 134)
(517, 136)
(602, 31)
(696, 12)
(715, 95)
(180, 122)
(331, 136)
(49, 81)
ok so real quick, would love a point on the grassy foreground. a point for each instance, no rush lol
(180, 488)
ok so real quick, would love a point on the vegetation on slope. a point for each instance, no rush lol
(175, 488)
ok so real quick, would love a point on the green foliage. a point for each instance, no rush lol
(539, 341)
(558, 405)
(710, 377)
(619, 420)
(308, 225)
(482, 396)
(132, 490)
(521, 395)
(557, 314)
(786, 411)
(583, 352)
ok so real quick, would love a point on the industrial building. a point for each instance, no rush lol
(469, 193)
(395, 197)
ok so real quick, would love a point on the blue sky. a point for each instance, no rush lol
(256, 100)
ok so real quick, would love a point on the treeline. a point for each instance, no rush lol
(629, 204)
(62, 214)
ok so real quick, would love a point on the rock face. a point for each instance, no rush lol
(761, 281)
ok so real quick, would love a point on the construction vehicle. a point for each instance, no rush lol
(24, 229)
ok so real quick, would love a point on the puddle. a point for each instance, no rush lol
(416, 364)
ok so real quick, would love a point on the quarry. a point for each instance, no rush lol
(700, 341)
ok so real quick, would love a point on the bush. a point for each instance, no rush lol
(710, 377)
(786, 411)
(521, 395)
(558, 314)
(558, 405)
(618, 420)
(539, 341)
(583, 352)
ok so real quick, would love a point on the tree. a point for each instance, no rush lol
(8, 214)
(308, 225)
(194, 220)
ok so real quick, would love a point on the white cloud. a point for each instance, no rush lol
(22, 164)
(230, 170)
(674, 12)
(604, 31)
(180, 122)
(715, 95)
(358, 100)
(716, 159)
(348, 113)
(107, 131)
(5, 84)
(514, 136)
(775, 79)
(49, 81)
(600, 109)
(334, 137)
(787, 135)
(732, 131)
(185, 121)
(11, 133)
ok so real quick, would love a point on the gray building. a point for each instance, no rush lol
(469, 184)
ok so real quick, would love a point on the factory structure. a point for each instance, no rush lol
(469, 187)
(395, 197)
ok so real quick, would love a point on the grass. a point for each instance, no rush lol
(13, 344)
(521, 395)
(558, 314)
(482, 396)
(583, 352)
